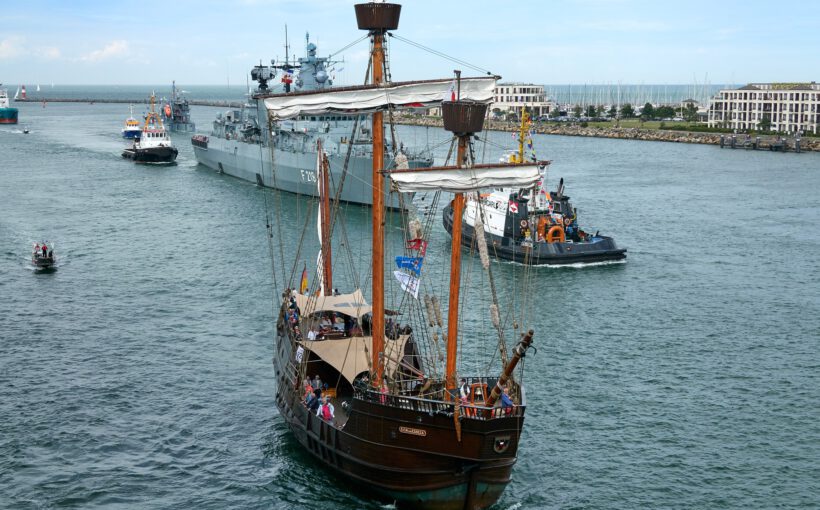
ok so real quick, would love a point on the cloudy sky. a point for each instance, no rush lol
(548, 41)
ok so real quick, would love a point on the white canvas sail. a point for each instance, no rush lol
(368, 99)
(463, 180)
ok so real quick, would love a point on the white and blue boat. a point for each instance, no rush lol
(132, 128)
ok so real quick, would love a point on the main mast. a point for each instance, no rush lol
(378, 18)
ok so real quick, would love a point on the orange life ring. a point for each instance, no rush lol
(567, 222)
(556, 231)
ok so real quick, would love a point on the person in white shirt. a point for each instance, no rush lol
(312, 334)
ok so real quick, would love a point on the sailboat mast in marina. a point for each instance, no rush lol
(361, 392)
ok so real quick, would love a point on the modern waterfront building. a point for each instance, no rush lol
(511, 97)
(789, 107)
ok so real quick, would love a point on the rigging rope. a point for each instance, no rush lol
(441, 54)
(357, 41)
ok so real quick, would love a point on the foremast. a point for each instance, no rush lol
(322, 167)
(458, 215)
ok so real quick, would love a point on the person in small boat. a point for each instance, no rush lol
(51, 253)
(45, 250)
(36, 248)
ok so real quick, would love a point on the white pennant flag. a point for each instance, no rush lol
(409, 284)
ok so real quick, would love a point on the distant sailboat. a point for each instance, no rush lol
(38, 87)
(17, 93)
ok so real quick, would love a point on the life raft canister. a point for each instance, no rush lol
(554, 232)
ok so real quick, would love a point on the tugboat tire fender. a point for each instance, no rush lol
(556, 232)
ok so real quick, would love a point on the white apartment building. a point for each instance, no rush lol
(510, 97)
(790, 107)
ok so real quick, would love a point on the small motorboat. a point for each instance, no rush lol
(43, 255)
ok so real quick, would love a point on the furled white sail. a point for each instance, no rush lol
(320, 274)
(463, 180)
(368, 99)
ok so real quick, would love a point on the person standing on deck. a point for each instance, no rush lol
(507, 402)
(464, 392)
(326, 411)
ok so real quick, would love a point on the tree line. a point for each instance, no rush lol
(627, 111)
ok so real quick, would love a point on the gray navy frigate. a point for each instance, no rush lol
(282, 154)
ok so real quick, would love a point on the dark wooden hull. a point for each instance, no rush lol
(406, 450)
(603, 249)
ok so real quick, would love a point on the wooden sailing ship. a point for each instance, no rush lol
(401, 429)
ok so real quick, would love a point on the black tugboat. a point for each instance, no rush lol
(531, 226)
(154, 145)
(42, 256)
(542, 237)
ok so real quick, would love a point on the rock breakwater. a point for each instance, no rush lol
(565, 129)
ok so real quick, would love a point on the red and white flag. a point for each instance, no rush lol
(451, 92)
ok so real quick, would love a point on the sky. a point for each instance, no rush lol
(545, 42)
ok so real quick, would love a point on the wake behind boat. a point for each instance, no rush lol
(154, 144)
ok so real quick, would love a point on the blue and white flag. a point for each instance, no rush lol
(409, 283)
(411, 263)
